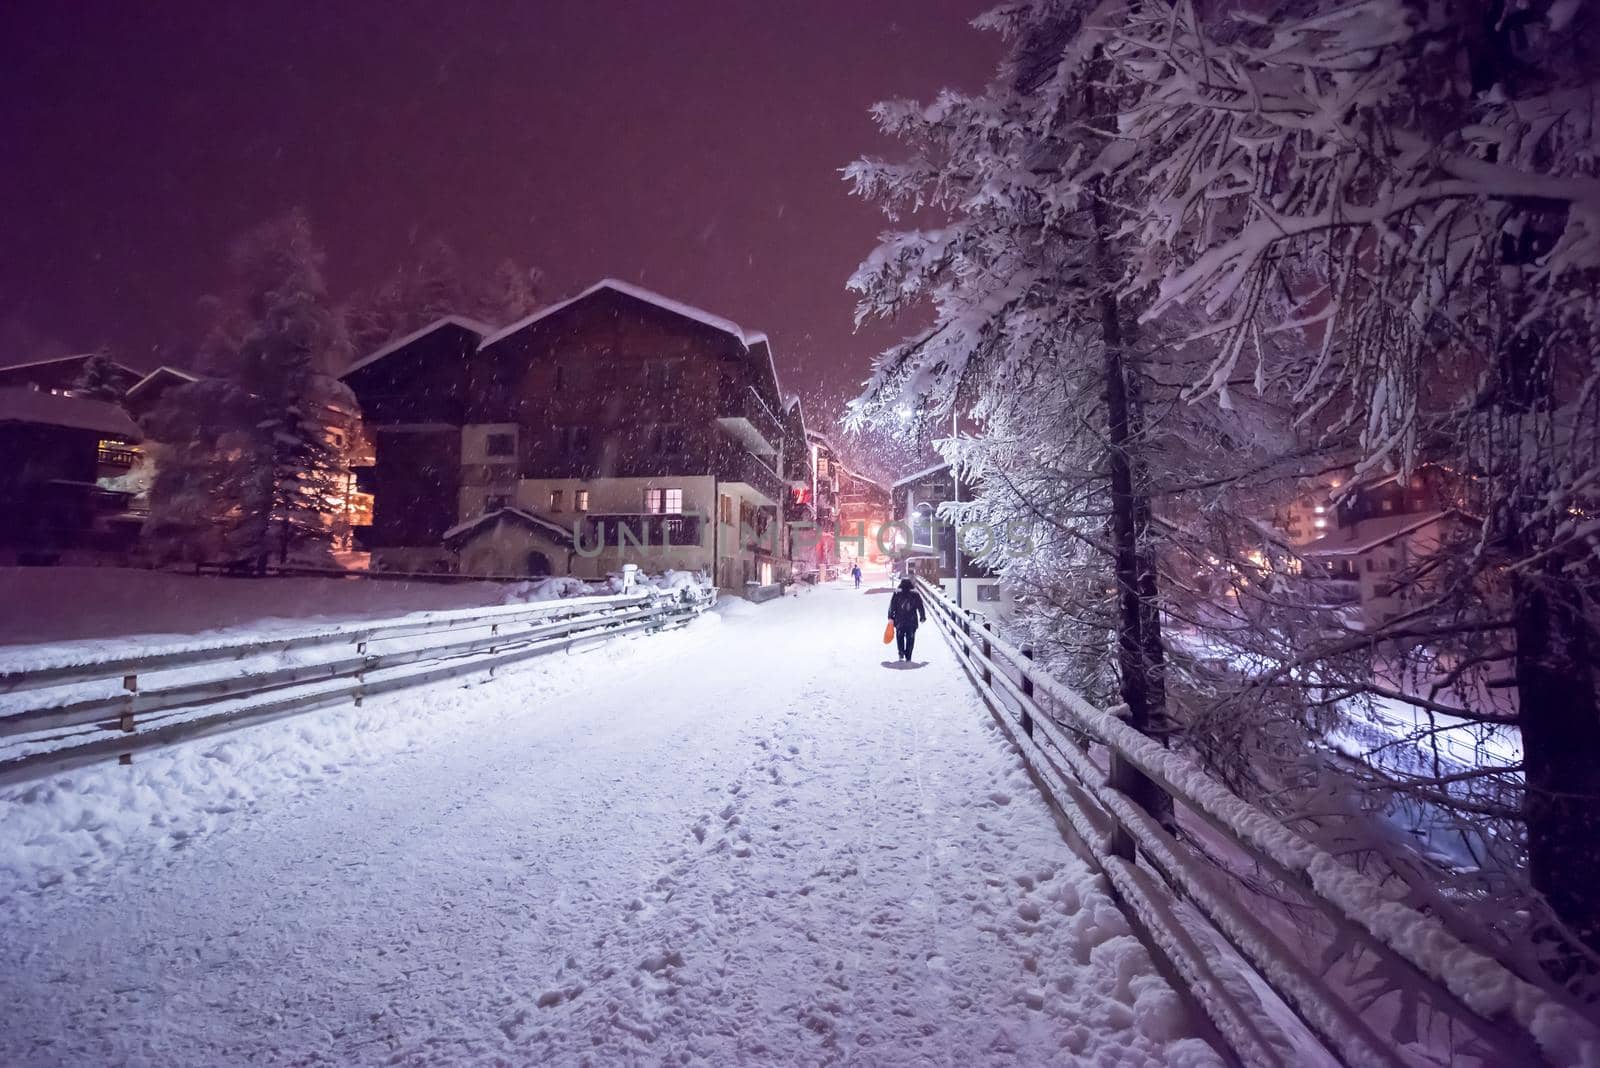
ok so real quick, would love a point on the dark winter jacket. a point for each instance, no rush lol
(905, 608)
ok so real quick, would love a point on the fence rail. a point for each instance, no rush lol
(1081, 754)
(84, 710)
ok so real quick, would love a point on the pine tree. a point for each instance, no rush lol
(254, 460)
(1415, 191)
(101, 379)
(436, 285)
(1025, 283)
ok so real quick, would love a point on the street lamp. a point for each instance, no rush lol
(955, 480)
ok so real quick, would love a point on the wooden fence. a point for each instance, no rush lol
(1208, 927)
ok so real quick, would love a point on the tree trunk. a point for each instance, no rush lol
(1557, 711)
(1561, 751)
(1140, 660)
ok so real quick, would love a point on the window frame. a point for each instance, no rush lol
(492, 437)
(663, 500)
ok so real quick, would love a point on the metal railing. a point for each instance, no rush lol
(74, 712)
(1484, 1007)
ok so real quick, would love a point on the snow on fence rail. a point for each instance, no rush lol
(1507, 1018)
(154, 698)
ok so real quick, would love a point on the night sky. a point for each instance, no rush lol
(692, 148)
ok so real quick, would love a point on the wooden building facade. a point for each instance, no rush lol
(651, 430)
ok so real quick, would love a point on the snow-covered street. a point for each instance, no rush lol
(754, 840)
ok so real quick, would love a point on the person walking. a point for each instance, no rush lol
(855, 573)
(906, 610)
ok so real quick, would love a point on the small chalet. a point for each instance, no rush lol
(863, 511)
(60, 375)
(143, 396)
(64, 461)
(930, 546)
(512, 543)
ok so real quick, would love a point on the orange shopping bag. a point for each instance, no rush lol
(888, 633)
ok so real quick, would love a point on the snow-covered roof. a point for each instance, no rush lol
(926, 471)
(648, 296)
(562, 535)
(60, 359)
(859, 477)
(472, 326)
(1377, 532)
(54, 409)
(688, 311)
(158, 372)
(754, 340)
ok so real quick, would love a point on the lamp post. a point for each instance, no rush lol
(955, 480)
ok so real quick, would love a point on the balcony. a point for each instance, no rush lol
(748, 420)
(736, 465)
(112, 455)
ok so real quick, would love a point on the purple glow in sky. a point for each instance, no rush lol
(690, 147)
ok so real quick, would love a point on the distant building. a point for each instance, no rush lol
(646, 430)
(1371, 539)
(863, 512)
(144, 395)
(62, 462)
(824, 494)
(926, 546)
(807, 548)
(59, 375)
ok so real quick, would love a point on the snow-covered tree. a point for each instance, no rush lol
(254, 455)
(1024, 282)
(1178, 265)
(438, 284)
(1416, 191)
(100, 379)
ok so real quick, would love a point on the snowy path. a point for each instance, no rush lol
(745, 842)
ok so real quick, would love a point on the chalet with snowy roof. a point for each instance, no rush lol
(64, 463)
(646, 428)
(825, 487)
(808, 544)
(926, 545)
(143, 396)
(60, 374)
(863, 512)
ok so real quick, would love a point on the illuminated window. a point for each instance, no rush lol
(556, 497)
(580, 501)
(663, 501)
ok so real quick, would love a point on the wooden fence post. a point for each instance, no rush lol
(1027, 691)
(1124, 777)
(130, 683)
